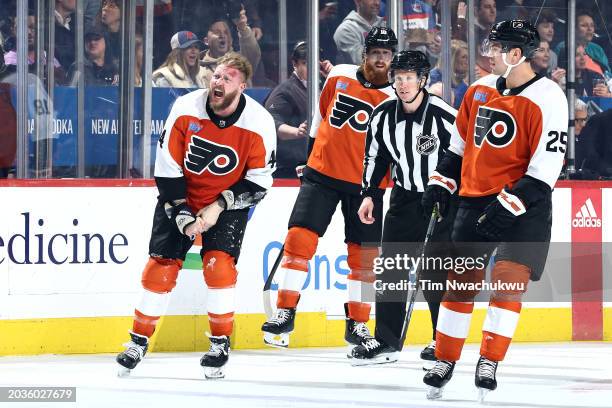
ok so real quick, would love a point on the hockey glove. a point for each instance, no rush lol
(181, 214)
(500, 215)
(439, 190)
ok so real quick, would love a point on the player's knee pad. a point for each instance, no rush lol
(301, 243)
(219, 269)
(160, 274)
(514, 277)
(462, 287)
(361, 262)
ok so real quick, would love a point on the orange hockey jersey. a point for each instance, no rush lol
(339, 126)
(504, 137)
(210, 154)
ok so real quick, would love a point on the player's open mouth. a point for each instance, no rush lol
(218, 93)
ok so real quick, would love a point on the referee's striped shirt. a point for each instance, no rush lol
(412, 143)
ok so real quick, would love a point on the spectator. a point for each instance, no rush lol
(596, 134)
(595, 58)
(39, 109)
(90, 11)
(64, 32)
(418, 23)
(8, 130)
(288, 105)
(588, 83)
(546, 29)
(196, 16)
(99, 68)
(327, 26)
(581, 114)
(459, 67)
(109, 21)
(219, 41)
(10, 57)
(486, 13)
(139, 60)
(434, 47)
(182, 67)
(163, 27)
(541, 58)
(350, 34)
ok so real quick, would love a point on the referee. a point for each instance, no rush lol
(409, 134)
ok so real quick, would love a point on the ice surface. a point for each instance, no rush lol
(538, 375)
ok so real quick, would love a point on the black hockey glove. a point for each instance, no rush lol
(181, 214)
(500, 215)
(439, 190)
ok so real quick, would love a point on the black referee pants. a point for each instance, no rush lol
(404, 230)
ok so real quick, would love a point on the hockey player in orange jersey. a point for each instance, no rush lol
(333, 175)
(215, 160)
(506, 154)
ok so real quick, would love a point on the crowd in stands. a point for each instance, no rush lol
(191, 36)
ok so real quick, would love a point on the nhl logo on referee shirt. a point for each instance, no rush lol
(426, 144)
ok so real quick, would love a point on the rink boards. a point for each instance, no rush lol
(72, 251)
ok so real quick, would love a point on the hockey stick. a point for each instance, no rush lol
(430, 231)
(267, 296)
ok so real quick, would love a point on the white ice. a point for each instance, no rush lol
(577, 375)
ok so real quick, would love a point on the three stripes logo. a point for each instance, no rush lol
(587, 216)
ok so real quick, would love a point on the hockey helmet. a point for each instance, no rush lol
(516, 34)
(411, 61)
(381, 37)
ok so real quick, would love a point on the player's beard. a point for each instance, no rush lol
(374, 75)
(225, 102)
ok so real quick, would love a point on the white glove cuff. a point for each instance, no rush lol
(436, 179)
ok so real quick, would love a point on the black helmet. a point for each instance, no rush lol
(381, 37)
(411, 61)
(516, 34)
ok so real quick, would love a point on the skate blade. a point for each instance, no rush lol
(433, 393)
(277, 340)
(214, 373)
(349, 350)
(382, 359)
(123, 372)
(482, 393)
(428, 365)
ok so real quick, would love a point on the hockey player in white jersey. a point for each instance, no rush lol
(215, 160)
(506, 153)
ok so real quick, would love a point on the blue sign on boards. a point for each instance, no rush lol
(102, 127)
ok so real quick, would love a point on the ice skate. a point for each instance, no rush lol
(484, 378)
(215, 359)
(355, 333)
(428, 355)
(134, 352)
(373, 351)
(279, 327)
(437, 377)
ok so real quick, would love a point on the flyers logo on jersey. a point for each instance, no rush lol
(495, 126)
(354, 111)
(203, 154)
